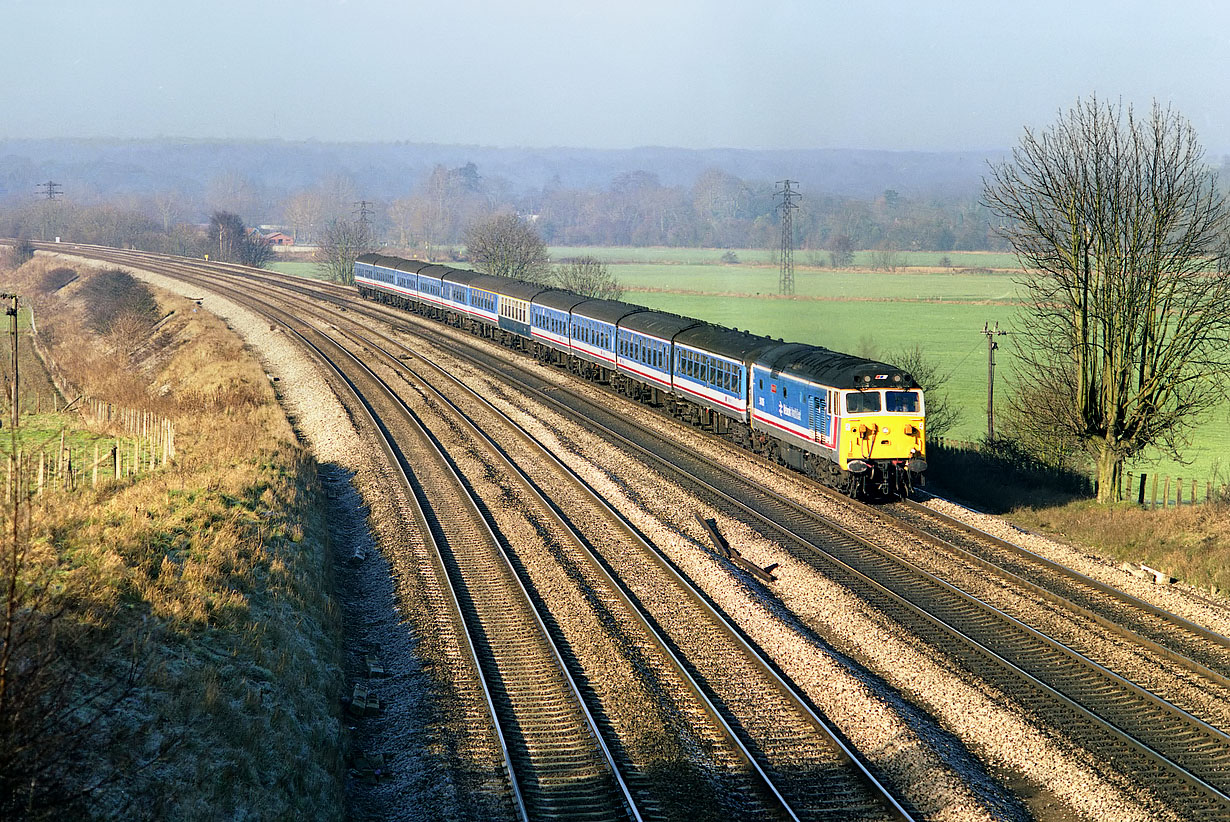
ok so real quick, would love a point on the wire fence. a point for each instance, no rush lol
(1147, 489)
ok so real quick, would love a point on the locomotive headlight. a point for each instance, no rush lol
(884, 430)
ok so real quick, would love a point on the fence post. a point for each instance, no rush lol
(1193, 490)
(1153, 495)
(1208, 491)
(1140, 498)
(1178, 491)
(1166, 492)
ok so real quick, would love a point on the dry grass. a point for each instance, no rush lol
(1192, 543)
(220, 560)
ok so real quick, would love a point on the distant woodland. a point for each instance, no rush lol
(159, 194)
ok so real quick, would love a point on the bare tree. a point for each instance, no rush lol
(170, 207)
(1125, 230)
(305, 212)
(405, 216)
(588, 276)
(229, 240)
(942, 415)
(341, 243)
(841, 251)
(232, 191)
(508, 246)
(885, 258)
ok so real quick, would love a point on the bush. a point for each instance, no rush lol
(116, 299)
(21, 253)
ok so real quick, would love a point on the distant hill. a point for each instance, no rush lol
(388, 170)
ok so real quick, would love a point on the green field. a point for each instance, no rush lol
(876, 313)
(803, 258)
(298, 269)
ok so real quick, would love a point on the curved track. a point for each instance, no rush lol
(1182, 759)
(773, 726)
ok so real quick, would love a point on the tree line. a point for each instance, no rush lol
(717, 210)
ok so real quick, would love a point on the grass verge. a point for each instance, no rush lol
(199, 591)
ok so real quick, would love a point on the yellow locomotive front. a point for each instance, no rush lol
(883, 438)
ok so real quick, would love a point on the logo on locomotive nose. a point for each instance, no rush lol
(881, 376)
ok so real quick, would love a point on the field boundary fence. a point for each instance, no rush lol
(138, 442)
(1144, 488)
(133, 441)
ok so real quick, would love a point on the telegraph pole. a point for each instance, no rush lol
(786, 280)
(51, 189)
(12, 312)
(992, 345)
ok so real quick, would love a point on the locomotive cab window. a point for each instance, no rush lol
(859, 402)
(902, 402)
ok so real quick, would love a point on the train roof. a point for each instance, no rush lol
(411, 266)
(461, 276)
(609, 311)
(436, 272)
(820, 365)
(728, 342)
(506, 286)
(559, 300)
(659, 324)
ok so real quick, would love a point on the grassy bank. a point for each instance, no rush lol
(1191, 543)
(194, 597)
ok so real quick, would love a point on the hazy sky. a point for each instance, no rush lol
(926, 74)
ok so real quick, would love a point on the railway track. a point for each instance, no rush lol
(801, 764)
(797, 756)
(1181, 758)
(557, 761)
(1182, 642)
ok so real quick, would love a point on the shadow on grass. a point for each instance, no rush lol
(997, 477)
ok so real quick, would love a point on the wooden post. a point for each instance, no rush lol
(1193, 490)
(42, 464)
(1178, 491)
(1166, 492)
(1140, 499)
(1153, 495)
(94, 480)
(117, 459)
